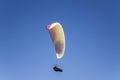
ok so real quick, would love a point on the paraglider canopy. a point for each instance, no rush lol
(58, 38)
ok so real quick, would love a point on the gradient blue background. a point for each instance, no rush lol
(92, 30)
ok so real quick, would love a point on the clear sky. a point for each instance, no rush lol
(92, 30)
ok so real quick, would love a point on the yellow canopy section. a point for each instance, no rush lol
(58, 38)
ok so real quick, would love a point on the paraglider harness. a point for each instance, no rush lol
(55, 68)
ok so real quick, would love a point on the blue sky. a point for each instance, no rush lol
(92, 30)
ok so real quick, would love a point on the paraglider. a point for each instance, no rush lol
(57, 69)
(58, 38)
